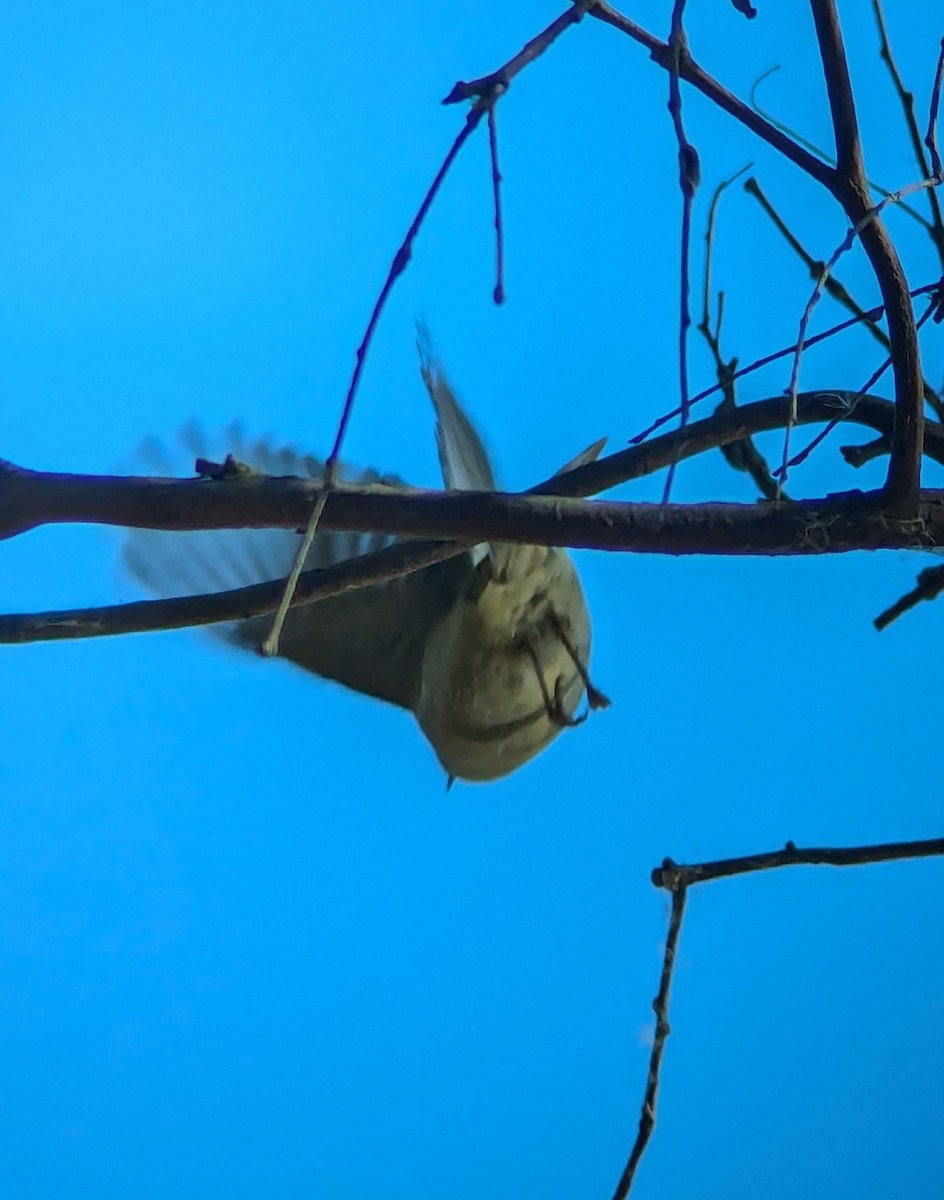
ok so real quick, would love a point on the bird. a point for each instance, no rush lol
(489, 649)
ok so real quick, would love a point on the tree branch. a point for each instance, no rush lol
(148, 616)
(692, 73)
(32, 498)
(501, 79)
(672, 876)
(849, 185)
(677, 880)
(660, 1006)
(548, 514)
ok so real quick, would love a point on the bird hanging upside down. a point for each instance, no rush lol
(489, 649)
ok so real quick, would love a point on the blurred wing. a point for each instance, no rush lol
(462, 457)
(370, 640)
(465, 465)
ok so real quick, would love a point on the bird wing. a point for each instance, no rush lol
(462, 457)
(371, 639)
(464, 462)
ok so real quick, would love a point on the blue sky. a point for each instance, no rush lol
(250, 946)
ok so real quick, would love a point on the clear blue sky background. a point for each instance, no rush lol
(248, 944)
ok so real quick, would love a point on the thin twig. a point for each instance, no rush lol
(833, 287)
(671, 875)
(866, 387)
(806, 317)
(398, 266)
(742, 455)
(677, 879)
(820, 152)
(930, 139)
(660, 1005)
(270, 643)
(527, 54)
(486, 93)
(815, 266)
(870, 218)
(332, 464)
(929, 586)
(872, 315)
(499, 293)
(693, 74)
(689, 172)
(935, 226)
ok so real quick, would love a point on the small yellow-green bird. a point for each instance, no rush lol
(490, 650)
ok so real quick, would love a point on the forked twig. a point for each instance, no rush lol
(677, 879)
(485, 93)
(270, 645)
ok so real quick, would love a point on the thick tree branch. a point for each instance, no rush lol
(551, 514)
(547, 515)
(849, 184)
(839, 90)
(833, 524)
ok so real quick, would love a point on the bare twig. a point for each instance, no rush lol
(935, 226)
(820, 153)
(929, 586)
(660, 1006)
(805, 318)
(832, 285)
(693, 74)
(672, 876)
(677, 879)
(533, 49)
(499, 293)
(486, 93)
(742, 455)
(397, 267)
(872, 380)
(930, 138)
(689, 172)
(871, 315)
